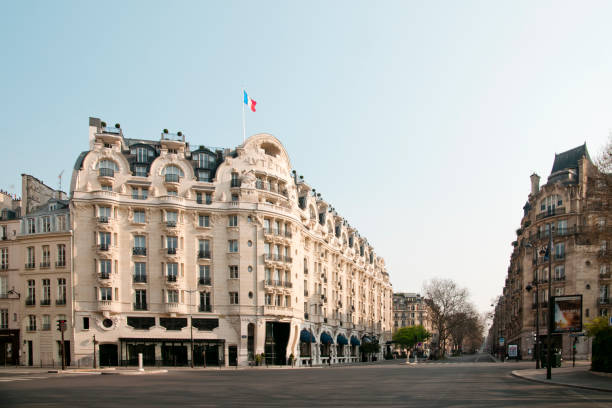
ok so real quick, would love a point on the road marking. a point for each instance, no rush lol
(21, 379)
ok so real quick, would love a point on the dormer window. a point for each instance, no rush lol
(52, 207)
(203, 175)
(140, 170)
(143, 154)
(204, 160)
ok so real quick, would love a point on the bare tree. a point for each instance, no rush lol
(444, 299)
(464, 326)
(604, 159)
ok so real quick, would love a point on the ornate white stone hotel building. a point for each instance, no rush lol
(229, 248)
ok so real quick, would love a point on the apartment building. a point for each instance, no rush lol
(574, 207)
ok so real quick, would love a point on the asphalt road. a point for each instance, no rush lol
(470, 381)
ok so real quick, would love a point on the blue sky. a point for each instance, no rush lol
(419, 121)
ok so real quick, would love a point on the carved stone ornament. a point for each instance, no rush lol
(123, 189)
(88, 186)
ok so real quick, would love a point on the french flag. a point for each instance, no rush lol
(249, 102)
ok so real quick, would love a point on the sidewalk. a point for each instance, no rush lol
(577, 377)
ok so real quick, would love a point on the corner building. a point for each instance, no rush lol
(228, 247)
(574, 207)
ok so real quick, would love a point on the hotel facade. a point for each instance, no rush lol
(211, 256)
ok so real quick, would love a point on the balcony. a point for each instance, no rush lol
(171, 278)
(104, 275)
(30, 301)
(106, 173)
(171, 224)
(139, 196)
(206, 281)
(559, 278)
(103, 247)
(287, 284)
(604, 301)
(605, 275)
(108, 306)
(60, 302)
(140, 251)
(30, 265)
(174, 308)
(205, 308)
(60, 264)
(287, 259)
(103, 220)
(235, 183)
(140, 278)
(204, 254)
(140, 306)
(171, 251)
(45, 264)
(45, 302)
(278, 310)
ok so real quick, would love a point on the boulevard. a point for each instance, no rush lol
(469, 381)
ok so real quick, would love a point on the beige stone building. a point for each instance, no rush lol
(35, 275)
(409, 309)
(573, 206)
(227, 247)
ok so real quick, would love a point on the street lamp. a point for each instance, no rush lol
(537, 319)
(190, 291)
(549, 251)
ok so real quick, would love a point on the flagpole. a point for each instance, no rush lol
(243, 121)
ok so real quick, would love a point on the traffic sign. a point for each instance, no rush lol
(501, 341)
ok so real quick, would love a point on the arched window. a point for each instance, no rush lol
(107, 168)
(173, 174)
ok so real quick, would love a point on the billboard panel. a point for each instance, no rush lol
(568, 313)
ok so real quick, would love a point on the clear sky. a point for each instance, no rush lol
(420, 121)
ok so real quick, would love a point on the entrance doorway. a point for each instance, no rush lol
(66, 351)
(174, 354)
(148, 354)
(30, 353)
(277, 338)
(233, 355)
(108, 355)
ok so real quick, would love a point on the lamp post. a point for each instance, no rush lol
(549, 250)
(537, 319)
(190, 291)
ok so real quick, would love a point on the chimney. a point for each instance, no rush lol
(535, 184)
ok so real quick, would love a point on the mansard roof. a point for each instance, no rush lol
(570, 158)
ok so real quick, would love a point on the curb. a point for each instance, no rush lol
(584, 387)
(134, 372)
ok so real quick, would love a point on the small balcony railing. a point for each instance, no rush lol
(30, 301)
(288, 234)
(205, 308)
(287, 284)
(60, 264)
(46, 326)
(204, 254)
(140, 306)
(287, 259)
(140, 278)
(559, 278)
(60, 302)
(604, 301)
(45, 264)
(103, 247)
(139, 251)
(170, 224)
(30, 265)
(45, 302)
(103, 219)
(139, 196)
(171, 251)
(235, 183)
(3, 267)
(171, 178)
(107, 172)
(170, 278)
(605, 275)
(204, 281)
(104, 275)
